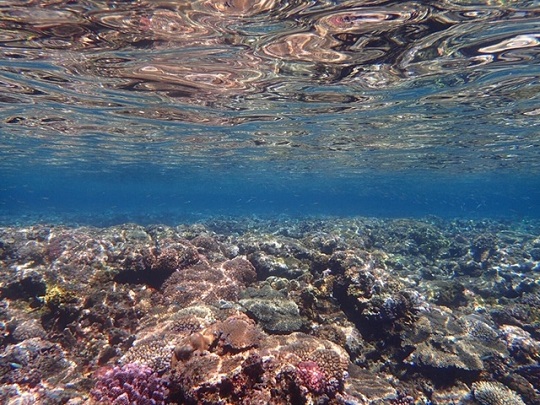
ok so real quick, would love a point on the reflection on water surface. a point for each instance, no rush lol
(360, 84)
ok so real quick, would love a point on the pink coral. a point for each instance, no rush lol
(130, 384)
(311, 376)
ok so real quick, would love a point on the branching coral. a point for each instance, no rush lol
(130, 384)
(494, 393)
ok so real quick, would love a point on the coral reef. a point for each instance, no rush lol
(238, 311)
(208, 284)
(440, 340)
(272, 309)
(213, 367)
(34, 361)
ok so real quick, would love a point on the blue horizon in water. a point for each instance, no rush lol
(150, 196)
(151, 112)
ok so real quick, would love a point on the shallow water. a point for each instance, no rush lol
(270, 202)
(177, 110)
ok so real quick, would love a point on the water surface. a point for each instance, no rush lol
(189, 108)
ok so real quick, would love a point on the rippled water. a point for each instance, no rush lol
(110, 100)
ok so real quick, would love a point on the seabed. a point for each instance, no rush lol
(260, 311)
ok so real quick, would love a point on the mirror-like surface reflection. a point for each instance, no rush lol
(355, 85)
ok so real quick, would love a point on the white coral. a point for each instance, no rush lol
(494, 393)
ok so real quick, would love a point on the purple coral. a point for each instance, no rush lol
(311, 376)
(131, 384)
(402, 399)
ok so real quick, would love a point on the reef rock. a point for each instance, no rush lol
(441, 340)
(272, 310)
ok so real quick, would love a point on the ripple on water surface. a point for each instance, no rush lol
(273, 82)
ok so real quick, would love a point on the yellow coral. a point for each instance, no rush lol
(57, 296)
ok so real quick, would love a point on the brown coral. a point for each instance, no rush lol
(209, 284)
(238, 333)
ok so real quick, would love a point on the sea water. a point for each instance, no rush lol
(113, 111)
(270, 202)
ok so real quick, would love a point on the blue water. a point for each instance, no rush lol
(151, 112)
(144, 196)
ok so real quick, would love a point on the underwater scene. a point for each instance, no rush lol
(257, 202)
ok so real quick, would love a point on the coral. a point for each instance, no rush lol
(200, 370)
(399, 306)
(235, 334)
(28, 286)
(154, 352)
(238, 333)
(312, 376)
(449, 293)
(483, 247)
(32, 252)
(332, 362)
(362, 384)
(267, 265)
(495, 393)
(413, 238)
(157, 293)
(153, 265)
(402, 399)
(531, 374)
(299, 347)
(241, 270)
(15, 394)
(242, 362)
(130, 384)
(58, 296)
(272, 310)
(30, 328)
(208, 284)
(32, 361)
(442, 340)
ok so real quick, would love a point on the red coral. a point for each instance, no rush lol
(311, 376)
